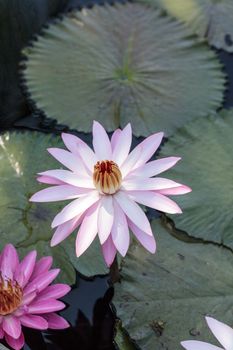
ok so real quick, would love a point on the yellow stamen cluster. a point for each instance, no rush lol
(107, 177)
(11, 295)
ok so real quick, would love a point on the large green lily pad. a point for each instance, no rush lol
(26, 224)
(120, 64)
(162, 298)
(207, 18)
(206, 148)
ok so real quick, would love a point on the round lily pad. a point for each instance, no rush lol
(207, 18)
(206, 148)
(162, 298)
(120, 64)
(25, 224)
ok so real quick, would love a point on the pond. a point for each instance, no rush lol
(91, 309)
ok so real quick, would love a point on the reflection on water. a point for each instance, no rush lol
(90, 316)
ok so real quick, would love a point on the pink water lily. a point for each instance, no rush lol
(222, 332)
(26, 296)
(105, 186)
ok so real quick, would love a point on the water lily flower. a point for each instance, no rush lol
(222, 332)
(26, 296)
(105, 185)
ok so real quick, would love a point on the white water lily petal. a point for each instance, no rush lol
(105, 218)
(147, 241)
(72, 161)
(151, 184)
(133, 212)
(70, 178)
(75, 208)
(155, 167)
(198, 345)
(156, 201)
(88, 230)
(120, 230)
(122, 146)
(59, 193)
(101, 142)
(222, 332)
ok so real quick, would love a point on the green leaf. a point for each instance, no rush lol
(206, 148)
(162, 298)
(28, 225)
(120, 64)
(207, 18)
(122, 339)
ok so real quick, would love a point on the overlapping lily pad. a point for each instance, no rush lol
(162, 298)
(207, 18)
(119, 64)
(121, 338)
(206, 148)
(26, 224)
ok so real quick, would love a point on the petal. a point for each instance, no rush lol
(42, 281)
(198, 345)
(1, 333)
(42, 265)
(149, 147)
(156, 167)
(9, 261)
(114, 138)
(133, 211)
(130, 162)
(120, 230)
(88, 156)
(75, 208)
(70, 178)
(101, 143)
(70, 160)
(176, 191)
(109, 251)
(105, 218)
(27, 299)
(16, 344)
(147, 241)
(25, 268)
(12, 326)
(49, 180)
(56, 322)
(156, 201)
(33, 321)
(123, 144)
(54, 291)
(142, 184)
(64, 230)
(58, 193)
(222, 332)
(88, 230)
(71, 142)
(45, 306)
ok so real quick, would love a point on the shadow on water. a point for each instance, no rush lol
(89, 314)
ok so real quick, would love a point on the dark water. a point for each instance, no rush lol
(89, 313)
(88, 304)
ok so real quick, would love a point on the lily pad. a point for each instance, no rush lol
(120, 64)
(162, 298)
(28, 225)
(206, 148)
(122, 339)
(207, 18)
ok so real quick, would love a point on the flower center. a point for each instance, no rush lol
(107, 177)
(11, 295)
